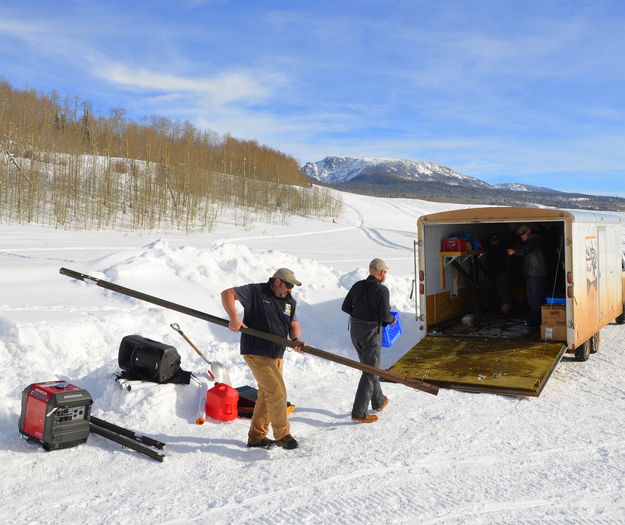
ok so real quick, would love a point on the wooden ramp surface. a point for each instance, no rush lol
(505, 366)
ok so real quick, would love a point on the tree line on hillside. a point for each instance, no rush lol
(61, 163)
(442, 192)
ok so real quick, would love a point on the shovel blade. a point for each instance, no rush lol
(220, 372)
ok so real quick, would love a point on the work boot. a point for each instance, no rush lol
(262, 443)
(367, 419)
(383, 406)
(288, 442)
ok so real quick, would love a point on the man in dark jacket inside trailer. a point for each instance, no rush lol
(534, 269)
(367, 303)
(268, 307)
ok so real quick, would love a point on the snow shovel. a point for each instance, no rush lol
(218, 371)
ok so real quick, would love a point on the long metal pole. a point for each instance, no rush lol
(382, 374)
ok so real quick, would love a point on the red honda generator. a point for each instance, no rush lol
(56, 414)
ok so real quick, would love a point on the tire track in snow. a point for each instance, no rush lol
(69, 309)
(374, 234)
(8, 251)
(377, 237)
(222, 242)
(495, 486)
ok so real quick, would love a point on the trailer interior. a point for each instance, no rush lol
(468, 342)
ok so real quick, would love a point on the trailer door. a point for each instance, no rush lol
(501, 366)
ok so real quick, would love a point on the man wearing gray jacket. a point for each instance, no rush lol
(367, 303)
(534, 269)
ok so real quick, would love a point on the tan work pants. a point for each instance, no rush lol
(271, 403)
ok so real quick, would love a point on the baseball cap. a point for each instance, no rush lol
(286, 275)
(522, 229)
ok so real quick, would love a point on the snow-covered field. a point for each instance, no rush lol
(451, 458)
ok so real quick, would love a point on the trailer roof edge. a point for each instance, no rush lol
(517, 214)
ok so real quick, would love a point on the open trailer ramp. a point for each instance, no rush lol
(585, 274)
(502, 366)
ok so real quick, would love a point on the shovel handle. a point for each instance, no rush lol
(176, 327)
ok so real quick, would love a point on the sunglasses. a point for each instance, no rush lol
(287, 285)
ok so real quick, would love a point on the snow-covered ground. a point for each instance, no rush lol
(451, 458)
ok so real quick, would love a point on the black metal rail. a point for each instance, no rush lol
(128, 433)
(124, 440)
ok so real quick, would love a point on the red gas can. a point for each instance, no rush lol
(221, 402)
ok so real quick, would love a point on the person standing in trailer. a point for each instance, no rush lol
(534, 269)
(367, 304)
(498, 264)
(268, 307)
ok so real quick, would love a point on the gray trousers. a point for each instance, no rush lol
(535, 293)
(367, 339)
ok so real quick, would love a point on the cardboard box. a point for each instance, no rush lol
(553, 314)
(553, 332)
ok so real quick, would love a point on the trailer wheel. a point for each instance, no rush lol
(594, 343)
(582, 352)
(621, 318)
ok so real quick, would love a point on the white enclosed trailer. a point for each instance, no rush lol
(497, 353)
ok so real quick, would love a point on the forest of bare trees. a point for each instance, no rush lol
(61, 164)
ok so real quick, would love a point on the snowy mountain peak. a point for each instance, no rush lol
(516, 186)
(338, 170)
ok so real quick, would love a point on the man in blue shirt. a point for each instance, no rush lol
(268, 307)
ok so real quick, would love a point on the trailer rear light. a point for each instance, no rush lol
(421, 288)
(569, 292)
(421, 275)
(569, 277)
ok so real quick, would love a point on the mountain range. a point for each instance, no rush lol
(429, 181)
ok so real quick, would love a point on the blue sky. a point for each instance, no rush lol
(506, 91)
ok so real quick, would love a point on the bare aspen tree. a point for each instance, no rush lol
(61, 164)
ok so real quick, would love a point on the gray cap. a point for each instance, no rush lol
(377, 264)
(522, 229)
(286, 275)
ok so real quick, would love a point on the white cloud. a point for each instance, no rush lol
(26, 31)
(34, 39)
(221, 88)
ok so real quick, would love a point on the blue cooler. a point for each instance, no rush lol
(391, 332)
